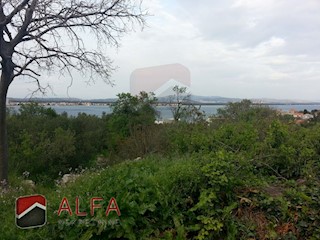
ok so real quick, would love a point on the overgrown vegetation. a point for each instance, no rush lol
(248, 174)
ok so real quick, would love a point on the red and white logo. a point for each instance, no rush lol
(31, 211)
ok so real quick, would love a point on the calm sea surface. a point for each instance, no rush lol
(165, 112)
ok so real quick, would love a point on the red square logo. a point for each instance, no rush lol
(31, 211)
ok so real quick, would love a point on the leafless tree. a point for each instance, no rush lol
(50, 35)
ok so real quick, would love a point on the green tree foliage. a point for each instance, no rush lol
(129, 114)
(130, 111)
(181, 107)
(33, 109)
(246, 111)
(44, 143)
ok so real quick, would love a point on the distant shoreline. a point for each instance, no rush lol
(162, 101)
(159, 103)
(165, 110)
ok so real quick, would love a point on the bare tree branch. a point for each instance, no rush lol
(27, 20)
(49, 34)
(16, 10)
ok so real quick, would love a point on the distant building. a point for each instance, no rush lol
(300, 117)
(307, 116)
(295, 113)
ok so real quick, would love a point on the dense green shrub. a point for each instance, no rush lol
(129, 115)
(43, 143)
(249, 174)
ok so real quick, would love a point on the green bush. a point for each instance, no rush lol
(44, 144)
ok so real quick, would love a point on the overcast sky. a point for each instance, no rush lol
(233, 48)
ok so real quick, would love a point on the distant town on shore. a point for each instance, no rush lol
(197, 100)
(299, 117)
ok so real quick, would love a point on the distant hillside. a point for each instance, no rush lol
(40, 100)
(194, 99)
(60, 100)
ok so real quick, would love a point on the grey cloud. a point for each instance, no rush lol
(296, 21)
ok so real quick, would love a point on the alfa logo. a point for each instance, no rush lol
(31, 211)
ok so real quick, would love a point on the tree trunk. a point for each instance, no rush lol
(4, 85)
